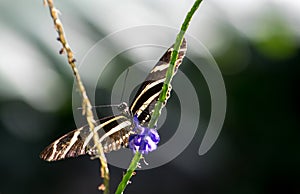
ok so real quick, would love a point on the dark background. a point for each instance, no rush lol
(255, 44)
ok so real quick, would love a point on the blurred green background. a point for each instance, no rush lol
(256, 44)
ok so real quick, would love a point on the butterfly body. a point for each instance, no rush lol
(114, 131)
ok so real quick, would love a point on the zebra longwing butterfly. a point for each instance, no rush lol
(114, 131)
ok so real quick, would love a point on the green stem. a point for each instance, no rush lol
(133, 165)
(163, 94)
(170, 71)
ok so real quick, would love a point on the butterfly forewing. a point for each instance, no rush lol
(69, 145)
(145, 99)
(114, 131)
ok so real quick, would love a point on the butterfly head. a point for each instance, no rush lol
(123, 107)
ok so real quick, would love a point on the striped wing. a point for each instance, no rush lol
(69, 145)
(147, 95)
(114, 131)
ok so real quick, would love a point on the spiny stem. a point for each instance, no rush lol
(158, 106)
(86, 104)
(133, 165)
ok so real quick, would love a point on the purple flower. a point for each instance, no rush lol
(144, 140)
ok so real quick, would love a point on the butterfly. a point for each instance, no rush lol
(114, 131)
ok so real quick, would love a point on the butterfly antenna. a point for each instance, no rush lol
(102, 106)
(122, 95)
(125, 79)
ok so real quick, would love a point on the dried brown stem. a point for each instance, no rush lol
(86, 104)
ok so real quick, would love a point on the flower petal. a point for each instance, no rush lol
(144, 140)
(154, 135)
(136, 120)
(151, 144)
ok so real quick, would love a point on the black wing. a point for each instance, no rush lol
(147, 95)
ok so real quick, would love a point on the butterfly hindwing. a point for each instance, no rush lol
(113, 132)
(116, 132)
